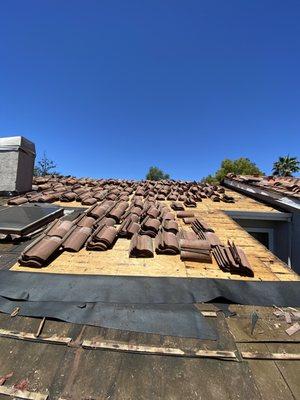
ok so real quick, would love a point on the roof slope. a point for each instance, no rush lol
(287, 186)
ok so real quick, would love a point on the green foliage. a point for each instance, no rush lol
(240, 166)
(45, 166)
(286, 166)
(156, 174)
(211, 179)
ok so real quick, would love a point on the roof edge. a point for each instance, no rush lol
(264, 194)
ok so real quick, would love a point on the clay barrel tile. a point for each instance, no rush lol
(104, 221)
(116, 213)
(185, 214)
(196, 245)
(133, 228)
(136, 210)
(152, 225)
(87, 222)
(153, 212)
(188, 255)
(141, 246)
(246, 267)
(89, 201)
(169, 216)
(68, 196)
(213, 239)
(76, 239)
(170, 241)
(60, 228)
(97, 212)
(17, 201)
(177, 206)
(200, 224)
(189, 220)
(170, 226)
(107, 235)
(41, 251)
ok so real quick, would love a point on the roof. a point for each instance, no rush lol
(78, 361)
(75, 373)
(287, 186)
(151, 204)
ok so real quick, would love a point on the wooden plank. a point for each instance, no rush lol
(237, 375)
(289, 369)
(223, 354)
(148, 349)
(40, 328)
(22, 394)
(55, 339)
(270, 356)
(209, 313)
(266, 375)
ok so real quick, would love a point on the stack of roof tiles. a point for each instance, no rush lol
(232, 259)
(229, 258)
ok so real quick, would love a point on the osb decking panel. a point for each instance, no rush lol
(117, 262)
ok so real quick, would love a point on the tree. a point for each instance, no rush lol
(44, 167)
(240, 166)
(286, 166)
(211, 179)
(156, 174)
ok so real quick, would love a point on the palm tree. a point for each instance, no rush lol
(286, 166)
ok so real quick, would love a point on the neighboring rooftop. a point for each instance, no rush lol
(287, 186)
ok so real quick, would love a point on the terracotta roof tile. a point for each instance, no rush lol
(185, 214)
(17, 201)
(86, 222)
(290, 186)
(68, 196)
(170, 226)
(36, 254)
(141, 246)
(200, 224)
(76, 240)
(167, 243)
(59, 228)
(195, 250)
(232, 259)
(177, 206)
(213, 239)
(89, 201)
(102, 239)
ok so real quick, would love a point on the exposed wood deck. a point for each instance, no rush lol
(75, 373)
(117, 262)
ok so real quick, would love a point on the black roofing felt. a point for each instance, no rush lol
(144, 290)
(182, 320)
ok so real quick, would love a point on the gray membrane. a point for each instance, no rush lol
(143, 304)
(173, 320)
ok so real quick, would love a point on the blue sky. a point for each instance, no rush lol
(109, 88)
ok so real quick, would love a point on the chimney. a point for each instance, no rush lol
(17, 156)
